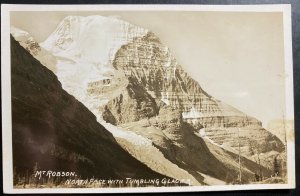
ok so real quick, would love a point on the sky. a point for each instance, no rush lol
(236, 57)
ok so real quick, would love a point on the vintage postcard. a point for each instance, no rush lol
(146, 98)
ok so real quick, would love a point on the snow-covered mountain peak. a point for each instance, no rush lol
(29, 43)
(91, 39)
(19, 34)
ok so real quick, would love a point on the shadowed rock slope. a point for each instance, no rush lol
(181, 144)
(51, 128)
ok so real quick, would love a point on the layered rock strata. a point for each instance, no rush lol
(125, 75)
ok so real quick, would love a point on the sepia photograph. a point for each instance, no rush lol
(141, 98)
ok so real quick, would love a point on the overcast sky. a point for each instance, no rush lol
(236, 57)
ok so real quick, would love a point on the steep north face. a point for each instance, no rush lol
(149, 62)
(126, 76)
(52, 130)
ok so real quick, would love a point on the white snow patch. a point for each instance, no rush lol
(19, 34)
(165, 97)
(192, 114)
(174, 71)
(168, 64)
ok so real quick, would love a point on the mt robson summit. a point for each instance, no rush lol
(137, 90)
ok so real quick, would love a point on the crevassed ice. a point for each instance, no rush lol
(85, 48)
(91, 39)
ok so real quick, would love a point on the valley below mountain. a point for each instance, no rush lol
(136, 90)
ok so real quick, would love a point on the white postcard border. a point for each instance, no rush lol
(6, 92)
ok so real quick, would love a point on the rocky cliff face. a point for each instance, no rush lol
(28, 42)
(153, 65)
(252, 140)
(125, 75)
(182, 145)
(133, 98)
(150, 62)
(105, 51)
(51, 128)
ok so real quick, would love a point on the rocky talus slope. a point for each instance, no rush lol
(51, 128)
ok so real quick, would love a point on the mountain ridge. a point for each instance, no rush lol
(31, 45)
(52, 129)
(138, 77)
